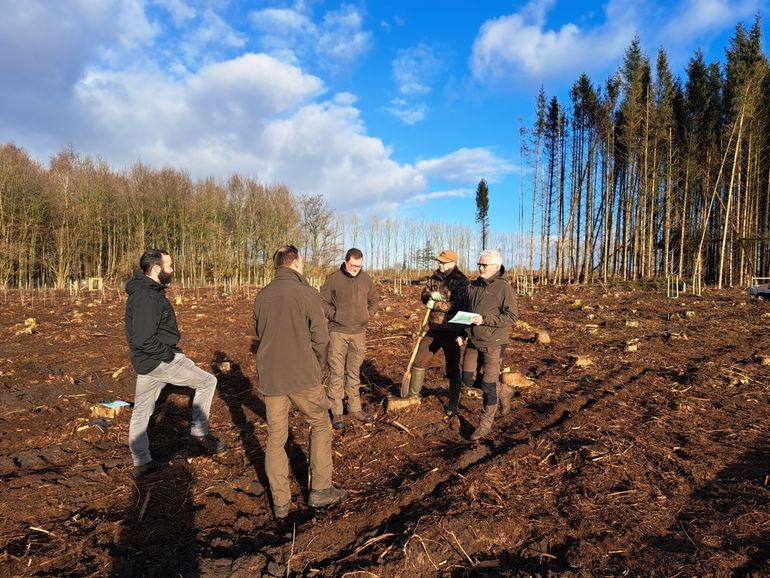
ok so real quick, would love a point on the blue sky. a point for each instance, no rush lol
(388, 108)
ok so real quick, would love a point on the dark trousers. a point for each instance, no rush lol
(430, 345)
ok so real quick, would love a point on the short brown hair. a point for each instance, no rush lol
(285, 256)
(353, 254)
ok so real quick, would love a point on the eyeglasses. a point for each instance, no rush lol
(485, 265)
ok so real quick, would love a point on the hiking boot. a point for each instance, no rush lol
(321, 498)
(281, 510)
(361, 416)
(485, 423)
(209, 444)
(149, 468)
(338, 422)
(504, 394)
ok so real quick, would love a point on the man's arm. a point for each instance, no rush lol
(319, 332)
(508, 312)
(373, 299)
(326, 299)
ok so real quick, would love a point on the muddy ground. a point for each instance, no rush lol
(646, 462)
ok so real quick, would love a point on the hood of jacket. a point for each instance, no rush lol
(141, 281)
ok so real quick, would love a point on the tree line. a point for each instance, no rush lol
(652, 176)
(77, 218)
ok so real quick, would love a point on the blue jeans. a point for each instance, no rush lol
(179, 371)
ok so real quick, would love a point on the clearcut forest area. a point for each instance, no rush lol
(638, 446)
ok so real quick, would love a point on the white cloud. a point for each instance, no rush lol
(324, 149)
(180, 11)
(522, 47)
(414, 69)
(446, 194)
(466, 166)
(694, 18)
(339, 39)
(520, 44)
(342, 36)
(253, 115)
(406, 113)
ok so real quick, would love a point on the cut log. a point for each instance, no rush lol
(396, 403)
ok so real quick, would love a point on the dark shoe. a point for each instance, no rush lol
(321, 498)
(281, 510)
(149, 468)
(209, 444)
(338, 422)
(361, 416)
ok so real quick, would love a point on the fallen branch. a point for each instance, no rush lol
(144, 504)
(461, 548)
(424, 547)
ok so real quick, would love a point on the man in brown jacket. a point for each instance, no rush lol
(292, 347)
(350, 300)
(494, 302)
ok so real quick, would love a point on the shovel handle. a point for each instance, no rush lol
(419, 339)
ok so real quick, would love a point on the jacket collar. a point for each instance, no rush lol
(289, 274)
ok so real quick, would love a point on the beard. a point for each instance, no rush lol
(165, 278)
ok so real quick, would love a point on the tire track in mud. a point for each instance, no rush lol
(403, 512)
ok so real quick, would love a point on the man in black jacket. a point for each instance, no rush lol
(446, 293)
(153, 337)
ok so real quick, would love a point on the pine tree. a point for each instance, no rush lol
(482, 211)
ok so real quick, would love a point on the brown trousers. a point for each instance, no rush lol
(346, 354)
(312, 403)
(487, 361)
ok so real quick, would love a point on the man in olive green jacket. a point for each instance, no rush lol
(492, 298)
(350, 300)
(292, 348)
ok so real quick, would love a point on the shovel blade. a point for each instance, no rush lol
(405, 382)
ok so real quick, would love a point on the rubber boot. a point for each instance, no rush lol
(416, 380)
(485, 423)
(453, 407)
(504, 395)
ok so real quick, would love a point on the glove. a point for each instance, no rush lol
(430, 303)
(437, 296)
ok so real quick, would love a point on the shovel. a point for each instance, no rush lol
(408, 373)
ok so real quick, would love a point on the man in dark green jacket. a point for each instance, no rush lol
(350, 300)
(292, 349)
(153, 337)
(492, 298)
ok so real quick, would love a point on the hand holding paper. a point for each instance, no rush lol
(466, 318)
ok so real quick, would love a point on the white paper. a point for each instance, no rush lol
(463, 317)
